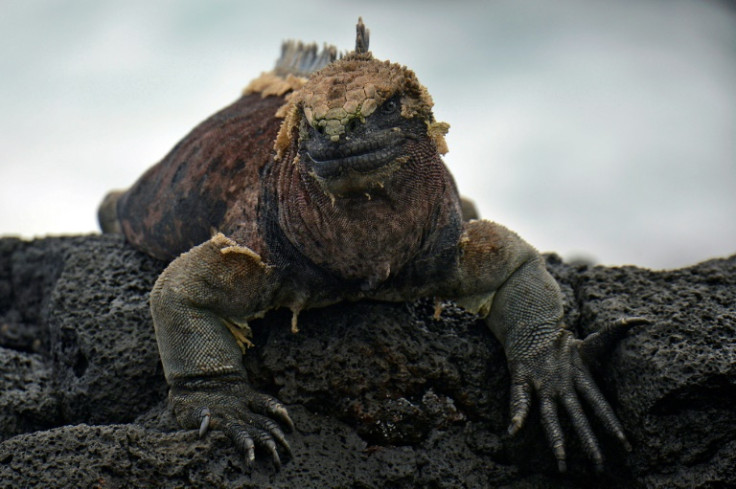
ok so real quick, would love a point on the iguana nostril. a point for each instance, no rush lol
(352, 125)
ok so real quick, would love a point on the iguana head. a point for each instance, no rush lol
(357, 121)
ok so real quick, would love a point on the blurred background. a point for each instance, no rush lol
(601, 130)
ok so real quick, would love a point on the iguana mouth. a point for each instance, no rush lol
(361, 155)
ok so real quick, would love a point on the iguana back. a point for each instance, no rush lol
(210, 181)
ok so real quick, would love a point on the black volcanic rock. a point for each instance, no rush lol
(382, 394)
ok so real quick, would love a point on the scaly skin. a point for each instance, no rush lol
(349, 200)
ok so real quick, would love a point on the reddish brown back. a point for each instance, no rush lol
(208, 182)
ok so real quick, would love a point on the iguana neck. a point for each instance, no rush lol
(366, 238)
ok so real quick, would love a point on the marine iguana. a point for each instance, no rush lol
(323, 183)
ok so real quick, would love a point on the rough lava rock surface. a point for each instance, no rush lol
(383, 395)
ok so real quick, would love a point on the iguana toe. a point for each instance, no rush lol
(521, 403)
(596, 344)
(267, 405)
(243, 441)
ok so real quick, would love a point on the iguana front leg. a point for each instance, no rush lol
(504, 279)
(195, 304)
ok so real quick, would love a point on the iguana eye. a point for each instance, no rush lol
(389, 107)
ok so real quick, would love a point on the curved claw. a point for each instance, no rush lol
(594, 397)
(584, 430)
(270, 431)
(281, 438)
(267, 405)
(205, 416)
(242, 439)
(270, 445)
(552, 427)
(521, 403)
(283, 415)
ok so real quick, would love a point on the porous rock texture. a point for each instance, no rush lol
(382, 395)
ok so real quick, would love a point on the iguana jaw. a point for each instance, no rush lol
(351, 183)
(361, 160)
(361, 155)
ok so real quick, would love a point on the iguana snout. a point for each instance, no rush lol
(361, 155)
(373, 146)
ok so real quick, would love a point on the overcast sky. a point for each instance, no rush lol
(598, 129)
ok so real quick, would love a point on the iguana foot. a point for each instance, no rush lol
(230, 405)
(558, 373)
